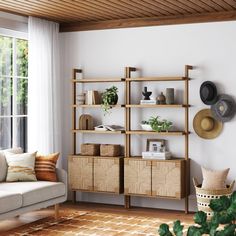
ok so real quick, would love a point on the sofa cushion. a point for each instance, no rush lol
(3, 162)
(45, 167)
(9, 201)
(20, 167)
(35, 192)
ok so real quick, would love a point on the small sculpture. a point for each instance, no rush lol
(161, 99)
(146, 94)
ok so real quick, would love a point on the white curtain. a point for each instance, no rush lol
(44, 111)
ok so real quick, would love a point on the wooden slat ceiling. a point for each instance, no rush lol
(76, 15)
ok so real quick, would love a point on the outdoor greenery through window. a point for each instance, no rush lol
(13, 92)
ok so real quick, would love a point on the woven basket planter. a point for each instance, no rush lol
(90, 149)
(110, 150)
(204, 196)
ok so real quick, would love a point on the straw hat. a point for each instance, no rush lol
(224, 109)
(206, 126)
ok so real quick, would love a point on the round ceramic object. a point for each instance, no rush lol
(161, 99)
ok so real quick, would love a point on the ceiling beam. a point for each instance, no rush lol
(149, 21)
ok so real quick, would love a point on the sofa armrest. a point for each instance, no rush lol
(62, 176)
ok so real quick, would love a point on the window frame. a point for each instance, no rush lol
(14, 35)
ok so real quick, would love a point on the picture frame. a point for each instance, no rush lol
(155, 145)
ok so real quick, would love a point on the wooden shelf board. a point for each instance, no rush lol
(97, 106)
(157, 105)
(157, 79)
(169, 133)
(80, 155)
(152, 196)
(177, 159)
(98, 80)
(98, 132)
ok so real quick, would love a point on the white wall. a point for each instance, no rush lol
(162, 50)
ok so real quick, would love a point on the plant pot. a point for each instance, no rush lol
(114, 100)
(146, 127)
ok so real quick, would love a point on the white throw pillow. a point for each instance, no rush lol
(21, 167)
(3, 162)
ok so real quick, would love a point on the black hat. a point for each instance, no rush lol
(208, 93)
(224, 109)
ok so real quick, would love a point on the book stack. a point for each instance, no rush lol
(92, 97)
(148, 102)
(156, 155)
(109, 128)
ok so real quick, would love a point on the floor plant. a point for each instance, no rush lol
(222, 223)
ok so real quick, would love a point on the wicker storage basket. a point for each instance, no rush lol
(90, 149)
(204, 196)
(110, 150)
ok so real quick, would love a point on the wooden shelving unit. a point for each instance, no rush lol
(149, 178)
(133, 176)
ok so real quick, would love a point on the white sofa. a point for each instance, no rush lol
(20, 197)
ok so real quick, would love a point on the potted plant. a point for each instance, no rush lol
(155, 123)
(109, 98)
(222, 223)
(160, 125)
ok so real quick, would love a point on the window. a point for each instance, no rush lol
(13, 92)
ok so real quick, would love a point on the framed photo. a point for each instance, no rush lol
(155, 145)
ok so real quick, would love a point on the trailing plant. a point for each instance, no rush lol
(159, 125)
(109, 97)
(222, 223)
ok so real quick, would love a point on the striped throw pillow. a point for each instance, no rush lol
(45, 167)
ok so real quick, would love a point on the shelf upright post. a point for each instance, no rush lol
(128, 71)
(75, 71)
(187, 167)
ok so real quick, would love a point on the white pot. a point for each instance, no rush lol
(146, 127)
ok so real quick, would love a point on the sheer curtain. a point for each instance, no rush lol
(44, 120)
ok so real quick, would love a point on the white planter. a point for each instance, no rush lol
(146, 127)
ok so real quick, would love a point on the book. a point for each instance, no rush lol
(151, 102)
(96, 97)
(156, 155)
(92, 97)
(109, 128)
(89, 97)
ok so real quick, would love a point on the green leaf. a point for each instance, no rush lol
(220, 204)
(193, 231)
(229, 230)
(233, 197)
(178, 228)
(164, 230)
(215, 221)
(200, 217)
(225, 218)
(232, 210)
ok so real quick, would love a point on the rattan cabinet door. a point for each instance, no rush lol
(107, 174)
(80, 173)
(167, 179)
(137, 175)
